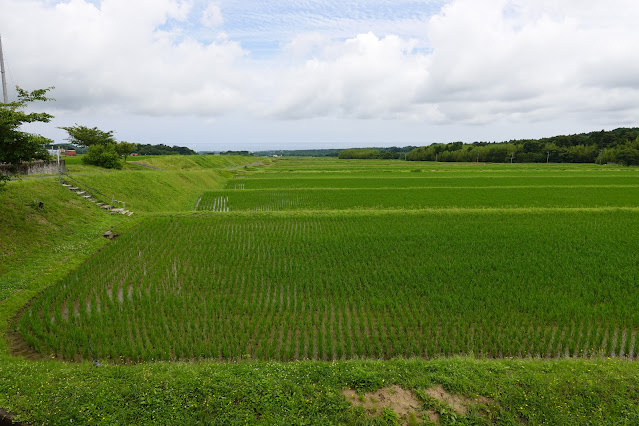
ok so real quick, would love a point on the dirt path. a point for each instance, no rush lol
(139, 163)
(257, 163)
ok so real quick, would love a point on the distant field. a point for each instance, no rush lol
(338, 260)
(299, 185)
(427, 180)
(419, 198)
(329, 184)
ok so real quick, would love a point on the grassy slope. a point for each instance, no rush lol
(196, 162)
(35, 241)
(175, 185)
(48, 392)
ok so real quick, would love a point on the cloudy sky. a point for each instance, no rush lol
(294, 74)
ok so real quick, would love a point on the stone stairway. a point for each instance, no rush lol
(86, 195)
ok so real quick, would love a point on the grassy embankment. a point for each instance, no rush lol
(174, 183)
(39, 246)
(574, 391)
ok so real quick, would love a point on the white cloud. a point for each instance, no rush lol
(118, 57)
(365, 77)
(212, 16)
(506, 56)
(476, 63)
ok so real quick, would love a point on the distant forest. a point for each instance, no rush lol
(162, 149)
(616, 146)
(299, 153)
(142, 149)
(392, 152)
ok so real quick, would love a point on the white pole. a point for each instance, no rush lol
(4, 79)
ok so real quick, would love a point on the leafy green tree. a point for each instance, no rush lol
(85, 136)
(17, 146)
(628, 156)
(125, 148)
(103, 156)
(103, 149)
(361, 154)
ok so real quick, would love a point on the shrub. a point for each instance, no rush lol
(104, 156)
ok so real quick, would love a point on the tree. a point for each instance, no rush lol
(85, 136)
(359, 153)
(628, 156)
(17, 146)
(104, 156)
(125, 148)
(103, 149)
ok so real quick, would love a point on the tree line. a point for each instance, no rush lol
(330, 152)
(392, 153)
(161, 149)
(616, 146)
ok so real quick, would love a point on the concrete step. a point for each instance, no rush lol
(80, 192)
(74, 188)
(122, 211)
(87, 196)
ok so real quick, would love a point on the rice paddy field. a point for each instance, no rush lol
(327, 259)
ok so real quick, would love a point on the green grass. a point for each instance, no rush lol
(41, 246)
(197, 162)
(571, 262)
(158, 190)
(427, 180)
(34, 239)
(332, 165)
(601, 392)
(341, 287)
(419, 198)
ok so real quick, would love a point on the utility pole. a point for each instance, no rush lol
(547, 157)
(4, 79)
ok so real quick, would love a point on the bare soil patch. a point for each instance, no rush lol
(18, 347)
(409, 408)
(7, 419)
(459, 403)
(403, 402)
